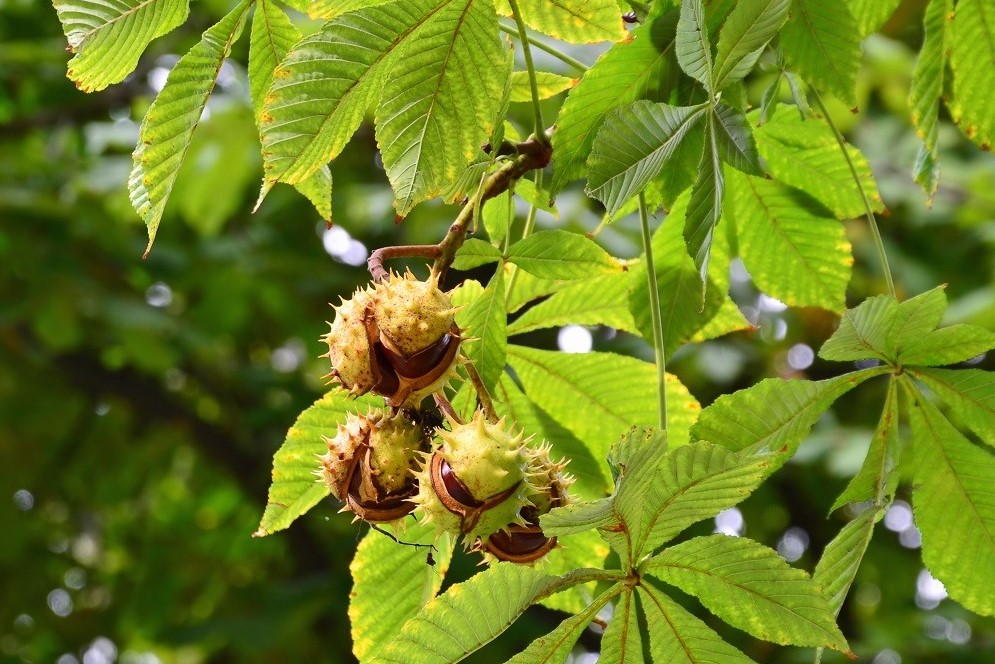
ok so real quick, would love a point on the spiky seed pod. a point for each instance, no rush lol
(476, 481)
(412, 315)
(370, 464)
(526, 543)
(349, 345)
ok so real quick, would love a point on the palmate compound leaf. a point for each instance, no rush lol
(747, 30)
(392, 582)
(821, 41)
(793, 248)
(752, 588)
(273, 35)
(295, 487)
(685, 316)
(970, 394)
(470, 614)
(438, 103)
(804, 154)
(327, 82)
(972, 63)
(927, 88)
(678, 637)
(598, 396)
(171, 119)
(773, 416)
(643, 66)
(575, 21)
(107, 38)
(561, 255)
(663, 495)
(954, 505)
(633, 146)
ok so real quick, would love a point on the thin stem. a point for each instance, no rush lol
(540, 126)
(543, 46)
(658, 347)
(483, 396)
(868, 212)
(375, 262)
(530, 222)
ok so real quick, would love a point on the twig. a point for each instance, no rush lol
(483, 397)
(375, 262)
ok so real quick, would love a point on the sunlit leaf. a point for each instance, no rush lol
(169, 123)
(678, 637)
(751, 587)
(555, 647)
(295, 487)
(841, 558)
(437, 106)
(107, 38)
(577, 21)
(561, 255)
(475, 253)
(327, 9)
(863, 331)
(872, 14)
(547, 83)
(622, 641)
(484, 326)
(391, 583)
(694, 52)
(821, 40)
(972, 62)
(927, 88)
(948, 345)
(954, 507)
(792, 248)
(970, 393)
(705, 207)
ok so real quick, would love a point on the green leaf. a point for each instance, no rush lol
(678, 637)
(528, 288)
(326, 83)
(579, 517)
(970, 393)
(683, 312)
(596, 301)
(273, 35)
(561, 255)
(927, 89)
(841, 558)
(804, 154)
(773, 416)
(295, 487)
(692, 483)
(914, 319)
(171, 119)
(750, 26)
(107, 38)
(641, 67)
(972, 63)
(391, 583)
(954, 506)
(555, 647)
(470, 614)
(752, 588)
(633, 146)
(484, 324)
(475, 253)
(622, 641)
(598, 396)
(948, 345)
(793, 250)
(694, 53)
(872, 14)
(437, 106)
(328, 9)
(548, 84)
(575, 21)
(735, 140)
(863, 331)
(705, 207)
(821, 40)
(877, 478)
(497, 216)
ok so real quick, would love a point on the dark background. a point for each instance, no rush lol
(141, 402)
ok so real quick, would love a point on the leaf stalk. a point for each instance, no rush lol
(658, 340)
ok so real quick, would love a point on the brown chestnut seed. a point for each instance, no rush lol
(456, 498)
(520, 544)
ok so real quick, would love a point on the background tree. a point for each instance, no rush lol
(142, 401)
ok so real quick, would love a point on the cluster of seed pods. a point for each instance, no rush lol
(478, 479)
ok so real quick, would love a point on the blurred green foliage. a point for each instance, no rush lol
(141, 402)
